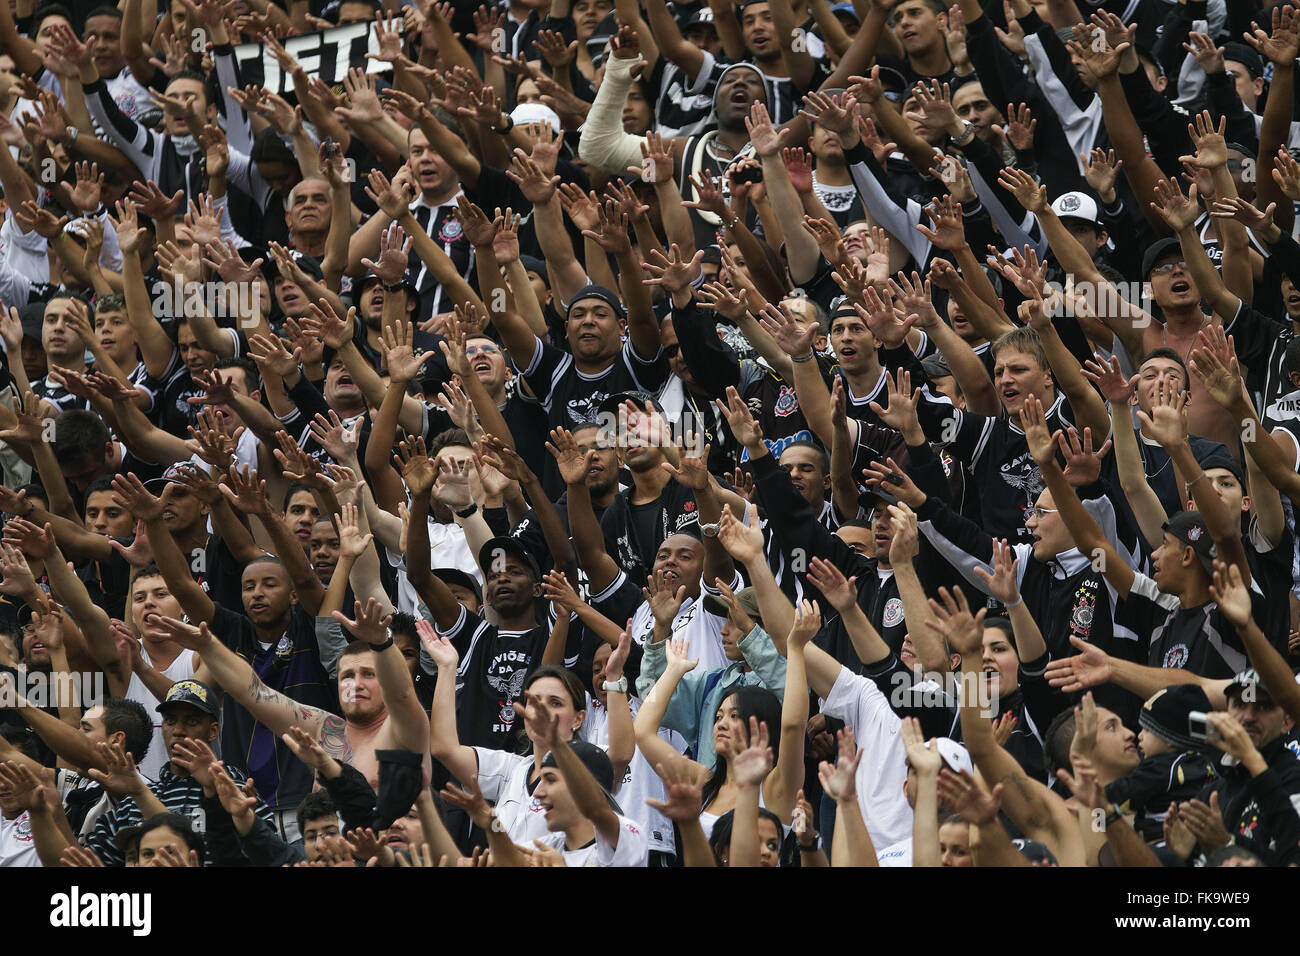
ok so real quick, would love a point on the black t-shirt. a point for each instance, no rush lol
(633, 533)
(570, 397)
(493, 667)
(1198, 639)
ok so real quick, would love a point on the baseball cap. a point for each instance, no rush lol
(1157, 250)
(1189, 528)
(1035, 852)
(597, 763)
(536, 113)
(1242, 680)
(1165, 713)
(610, 404)
(32, 317)
(703, 15)
(494, 547)
(359, 285)
(173, 475)
(955, 757)
(306, 263)
(935, 367)
(744, 597)
(845, 9)
(1076, 205)
(194, 693)
(460, 578)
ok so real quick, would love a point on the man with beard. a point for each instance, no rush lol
(276, 635)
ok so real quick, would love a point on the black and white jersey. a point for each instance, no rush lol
(995, 451)
(493, 666)
(442, 224)
(682, 106)
(571, 397)
(1198, 639)
(50, 391)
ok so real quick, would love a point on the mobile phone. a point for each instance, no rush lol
(750, 174)
(894, 478)
(1200, 728)
(331, 148)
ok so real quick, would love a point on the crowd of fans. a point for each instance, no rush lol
(605, 433)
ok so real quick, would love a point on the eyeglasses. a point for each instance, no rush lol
(1168, 267)
(473, 350)
(1037, 512)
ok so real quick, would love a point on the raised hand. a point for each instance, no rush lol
(954, 622)
(683, 787)
(751, 757)
(1001, 582)
(841, 592)
(840, 781)
(1178, 211)
(664, 600)
(742, 540)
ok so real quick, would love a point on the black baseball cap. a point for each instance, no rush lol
(597, 762)
(172, 476)
(359, 285)
(504, 543)
(610, 404)
(1165, 713)
(1247, 679)
(1156, 251)
(1189, 528)
(460, 578)
(194, 693)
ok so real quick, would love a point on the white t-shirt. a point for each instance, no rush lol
(639, 780)
(702, 630)
(632, 849)
(883, 770)
(503, 779)
(900, 854)
(180, 669)
(17, 847)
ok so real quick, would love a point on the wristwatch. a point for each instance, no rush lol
(1115, 814)
(615, 686)
(386, 645)
(395, 287)
(967, 134)
(468, 512)
(709, 529)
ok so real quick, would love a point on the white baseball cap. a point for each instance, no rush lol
(537, 113)
(1076, 205)
(955, 756)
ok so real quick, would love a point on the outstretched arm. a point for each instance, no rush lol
(268, 706)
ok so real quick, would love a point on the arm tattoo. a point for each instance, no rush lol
(334, 739)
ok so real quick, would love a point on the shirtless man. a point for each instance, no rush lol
(380, 709)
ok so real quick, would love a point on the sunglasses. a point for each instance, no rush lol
(1168, 267)
(481, 350)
